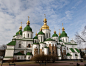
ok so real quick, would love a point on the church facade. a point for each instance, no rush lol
(23, 46)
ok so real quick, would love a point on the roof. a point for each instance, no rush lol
(63, 34)
(19, 53)
(49, 39)
(19, 32)
(28, 53)
(41, 33)
(68, 54)
(54, 35)
(72, 49)
(12, 43)
(77, 50)
(36, 37)
(69, 43)
(46, 47)
(27, 28)
(35, 43)
(62, 45)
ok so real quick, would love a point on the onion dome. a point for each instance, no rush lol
(28, 28)
(45, 26)
(41, 32)
(19, 32)
(63, 34)
(20, 28)
(36, 37)
(54, 35)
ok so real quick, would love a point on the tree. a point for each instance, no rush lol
(81, 38)
(3, 47)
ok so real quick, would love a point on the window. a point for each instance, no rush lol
(63, 40)
(28, 57)
(28, 35)
(53, 52)
(19, 45)
(42, 48)
(67, 48)
(66, 40)
(46, 35)
(18, 57)
(28, 45)
(41, 38)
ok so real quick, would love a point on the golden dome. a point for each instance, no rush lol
(36, 34)
(63, 29)
(28, 22)
(54, 32)
(20, 27)
(45, 26)
(59, 33)
(45, 20)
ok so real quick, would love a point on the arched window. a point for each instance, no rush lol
(18, 57)
(63, 40)
(19, 45)
(53, 52)
(29, 45)
(42, 48)
(66, 40)
(46, 35)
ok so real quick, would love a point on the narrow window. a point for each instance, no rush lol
(28, 57)
(41, 38)
(28, 35)
(66, 40)
(24, 35)
(42, 48)
(18, 57)
(19, 45)
(29, 45)
(67, 48)
(63, 40)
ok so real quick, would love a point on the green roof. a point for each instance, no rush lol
(41, 33)
(54, 35)
(49, 39)
(20, 31)
(19, 53)
(28, 53)
(36, 37)
(70, 43)
(77, 50)
(63, 34)
(46, 47)
(72, 49)
(68, 54)
(35, 43)
(62, 45)
(12, 43)
(76, 55)
(27, 28)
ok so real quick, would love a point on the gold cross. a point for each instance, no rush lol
(21, 23)
(45, 15)
(28, 18)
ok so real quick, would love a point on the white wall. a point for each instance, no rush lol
(55, 38)
(46, 31)
(39, 37)
(26, 34)
(34, 46)
(66, 39)
(46, 51)
(10, 47)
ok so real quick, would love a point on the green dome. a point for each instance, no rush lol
(63, 34)
(28, 53)
(27, 28)
(54, 35)
(36, 37)
(20, 31)
(41, 33)
(49, 39)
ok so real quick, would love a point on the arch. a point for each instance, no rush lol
(19, 45)
(29, 45)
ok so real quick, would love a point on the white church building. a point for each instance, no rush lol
(24, 46)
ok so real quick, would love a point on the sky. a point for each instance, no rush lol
(72, 13)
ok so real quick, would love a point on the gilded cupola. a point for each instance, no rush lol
(59, 32)
(45, 26)
(20, 28)
(28, 22)
(63, 27)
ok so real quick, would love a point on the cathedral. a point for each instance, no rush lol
(24, 46)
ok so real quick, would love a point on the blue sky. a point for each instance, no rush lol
(72, 13)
